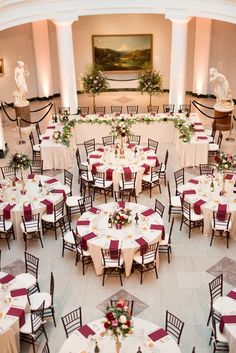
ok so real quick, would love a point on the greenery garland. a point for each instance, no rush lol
(186, 129)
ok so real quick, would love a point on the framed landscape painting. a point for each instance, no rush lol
(1, 67)
(127, 52)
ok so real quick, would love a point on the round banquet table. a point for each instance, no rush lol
(9, 325)
(12, 196)
(202, 191)
(98, 224)
(105, 158)
(77, 343)
(228, 307)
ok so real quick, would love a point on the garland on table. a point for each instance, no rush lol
(19, 161)
(186, 130)
(224, 161)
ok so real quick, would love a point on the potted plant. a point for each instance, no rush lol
(150, 82)
(93, 82)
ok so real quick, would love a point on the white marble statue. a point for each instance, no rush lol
(222, 90)
(20, 74)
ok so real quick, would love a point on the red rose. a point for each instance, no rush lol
(119, 305)
(106, 325)
(128, 323)
(109, 316)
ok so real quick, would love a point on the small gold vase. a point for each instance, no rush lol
(223, 192)
(118, 345)
(122, 153)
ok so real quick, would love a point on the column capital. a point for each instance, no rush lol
(177, 16)
(65, 19)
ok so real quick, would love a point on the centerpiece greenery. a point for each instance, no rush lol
(186, 130)
(224, 161)
(93, 82)
(57, 136)
(121, 127)
(122, 216)
(19, 161)
(150, 81)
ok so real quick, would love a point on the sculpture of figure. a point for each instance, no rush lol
(20, 74)
(222, 91)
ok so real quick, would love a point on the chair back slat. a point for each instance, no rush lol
(174, 326)
(168, 108)
(108, 140)
(134, 139)
(153, 145)
(151, 253)
(31, 225)
(216, 288)
(72, 321)
(31, 264)
(8, 172)
(36, 166)
(159, 208)
(116, 109)
(85, 203)
(153, 109)
(58, 210)
(89, 146)
(37, 317)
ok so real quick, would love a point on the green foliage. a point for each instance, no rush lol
(19, 161)
(93, 81)
(150, 81)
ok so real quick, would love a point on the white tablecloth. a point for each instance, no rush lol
(213, 199)
(9, 325)
(77, 343)
(32, 196)
(126, 235)
(134, 161)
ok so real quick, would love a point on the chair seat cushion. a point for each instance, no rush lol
(85, 253)
(67, 189)
(210, 139)
(8, 225)
(90, 177)
(223, 302)
(138, 259)
(175, 201)
(72, 201)
(31, 227)
(195, 217)
(213, 147)
(165, 241)
(112, 262)
(221, 225)
(108, 183)
(126, 186)
(36, 299)
(27, 280)
(36, 148)
(147, 178)
(69, 238)
(163, 168)
(27, 327)
(48, 218)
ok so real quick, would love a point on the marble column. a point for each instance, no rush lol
(178, 59)
(66, 63)
(42, 58)
(201, 55)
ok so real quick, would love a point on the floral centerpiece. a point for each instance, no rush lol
(150, 82)
(186, 130)
(122, 216)
(118, 322)
(56, 136)
(19, 161)
(64, 119)
(121, 128)
(224, 161)
(93, 82)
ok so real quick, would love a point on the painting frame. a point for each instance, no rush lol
(137, 51)
(1, 67)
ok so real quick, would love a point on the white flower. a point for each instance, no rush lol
(110, 333)
(122, 319)
(124, 327)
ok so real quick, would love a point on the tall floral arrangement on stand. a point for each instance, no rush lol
(150, 81)
(20, 162)
(120, 129)
(118, 322)
(93, 82)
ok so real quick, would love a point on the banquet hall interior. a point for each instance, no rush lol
(117, 197)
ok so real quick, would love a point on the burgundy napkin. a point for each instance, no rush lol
(16, 179)
(232, 295)
(18, 312)
(226, 319)
(114, 245)
(86, 222)
(188, 192)
(229, 176)
(148, 212)
(83, 115)
(95, 156)
(51, 181)
(51, 127)
(197, 123)
(85, 238)
(199, 130)
(31, 176)
(221, 212)
(49, 206)
(194, 181)
(131, 145)
(202, 138)
(154, 157)
(86, 331)
(8, 278)
(46, 137)
(18, 292)
(121, 204)
(146, 168)
(100, 149)
(197, 206)
(94, 210)
(94, 167)
(145, 149)
(27, 210)
(101, 114)
(127, 173)
(143, 245)
(59, 191)
(117, 114)
(109, 173)
(157, 335)
(7, 211)
(159, 227)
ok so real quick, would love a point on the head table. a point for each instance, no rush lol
(203, 198)
(137, 159)
(13, 308)
(95, 221)
(13, 204)
(77, 343)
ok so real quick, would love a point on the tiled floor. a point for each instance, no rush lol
(182, 286)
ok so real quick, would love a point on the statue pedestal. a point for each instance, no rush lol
(222, 116)
(23, 113)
